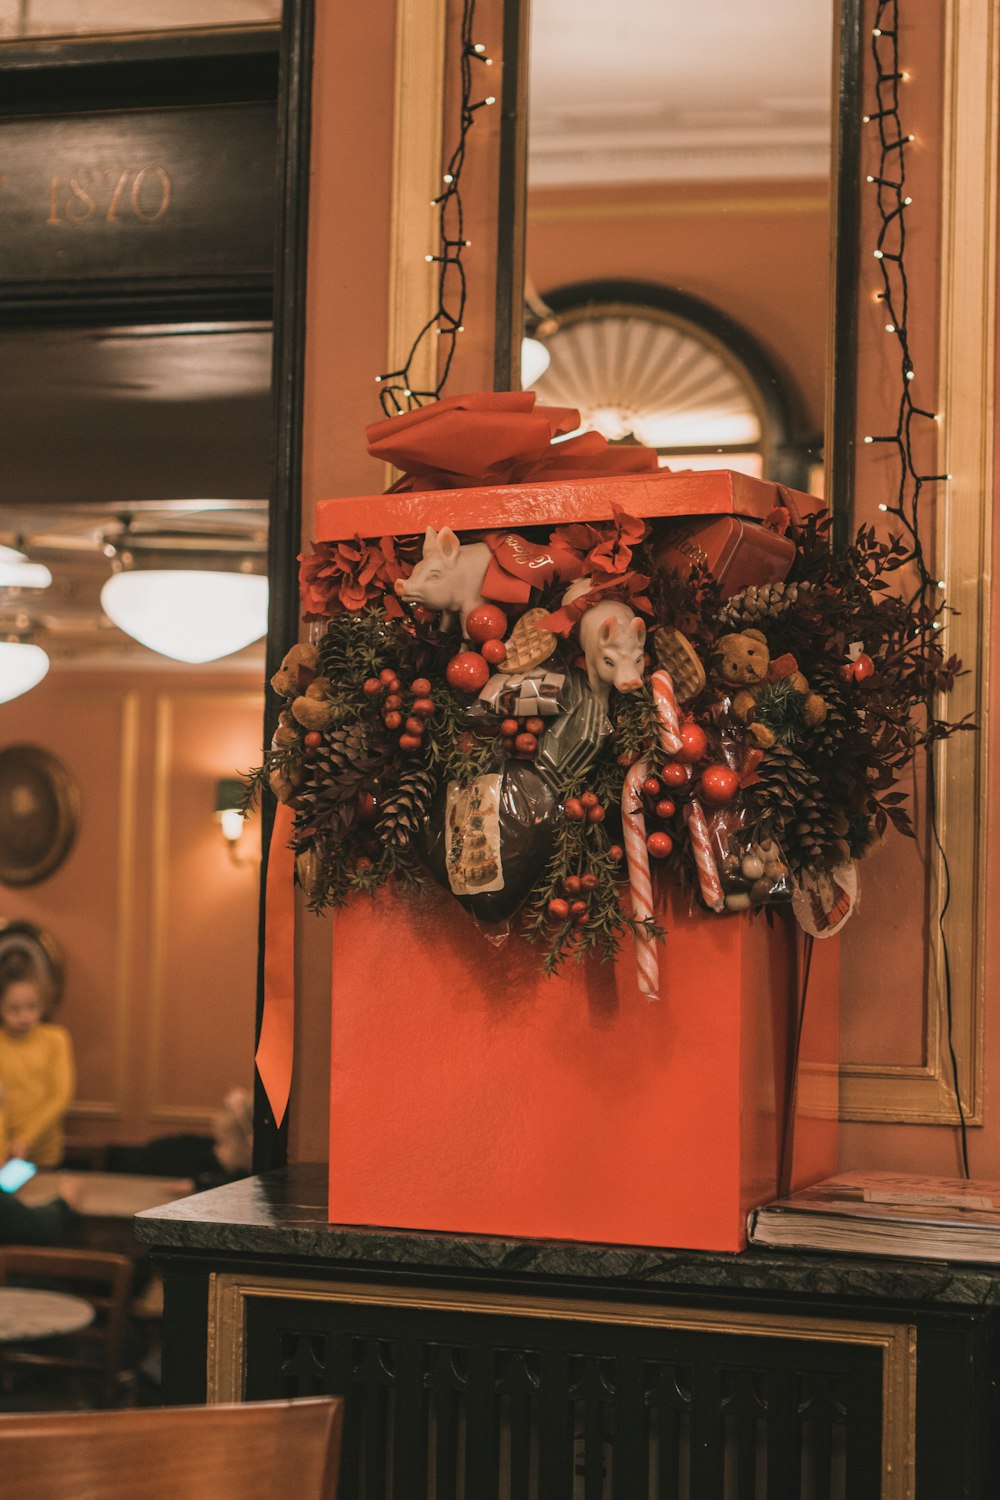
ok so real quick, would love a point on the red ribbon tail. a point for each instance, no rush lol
(277, 1028)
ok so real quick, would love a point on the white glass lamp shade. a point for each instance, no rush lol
(22, 667)
(16, 572)
(191, 616)
(534, 361)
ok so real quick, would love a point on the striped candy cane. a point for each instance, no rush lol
(666, 711)
(640, 884)
(708, 875)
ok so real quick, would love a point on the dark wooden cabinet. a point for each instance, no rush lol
(481, 1369)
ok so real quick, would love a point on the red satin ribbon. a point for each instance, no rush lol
(277, 1028)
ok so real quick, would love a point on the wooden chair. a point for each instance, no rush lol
(95, 1354)
(254, 1451)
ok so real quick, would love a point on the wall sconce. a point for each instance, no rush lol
(229, 795)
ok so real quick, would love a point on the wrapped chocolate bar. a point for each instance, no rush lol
(486, 842)
(524, 694)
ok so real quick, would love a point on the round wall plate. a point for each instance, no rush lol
(39, 814)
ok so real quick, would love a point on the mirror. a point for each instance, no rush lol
(679, 226)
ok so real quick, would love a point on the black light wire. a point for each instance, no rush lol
(893, 201)
(397, 393)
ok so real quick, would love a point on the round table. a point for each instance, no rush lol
(29, 1314)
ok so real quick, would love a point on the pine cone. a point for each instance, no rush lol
(328, 800)
(756, 606)
(828, 737)
(403, 812)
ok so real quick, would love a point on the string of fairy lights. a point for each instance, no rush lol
(893, 201)
(397, 392)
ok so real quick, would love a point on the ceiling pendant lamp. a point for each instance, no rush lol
(193, 601)
(22, 664)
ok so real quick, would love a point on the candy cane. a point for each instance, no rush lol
(640, 884)
(666, 711)
(708, 875)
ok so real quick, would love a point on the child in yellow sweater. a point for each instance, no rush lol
(36, 1071)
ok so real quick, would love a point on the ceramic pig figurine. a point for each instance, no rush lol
(612, 638)
(448, 577)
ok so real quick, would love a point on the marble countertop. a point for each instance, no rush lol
(284, 1214)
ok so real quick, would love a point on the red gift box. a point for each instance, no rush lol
(738, 553)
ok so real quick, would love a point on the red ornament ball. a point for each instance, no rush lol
(313, 740)
(420, 687)
(558, 909)
(574, 809)
(719, 785)
(467, 672)
(659, 845)
(863, 667)
(493, 651)
(485, 623)
(694, 743)
(666, 808)
(651, 787)
(675, 774)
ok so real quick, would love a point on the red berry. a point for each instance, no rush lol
(372, 686)
(590, 881)
(485, 623)
(363, 864)
(651, 787)
(573, 884)
(627, 758)
(466, 742)
(694, 743)
(387, 675)
(415, 726)
(558, 909)
(393, 719)
(395, 686)
(666, 808)
(863, 667)
(535, 726)
(393, 701)
(423, 615)
(420, 687)
(510, 726)
(467, 672)
(675, 774)
(367, 807)
(578, 908)
(590, 799)
(494, 652)
(313, 740)
(659, 845)
(574, 809)
(423, 707)
(409, 742)
(508, 743)
(309, 754)
(719, 785)
(526, 744)
(595, 814)
(616, 852)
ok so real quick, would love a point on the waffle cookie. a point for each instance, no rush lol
(527, 645)
(676, 655)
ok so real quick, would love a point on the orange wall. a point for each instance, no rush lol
(758, 251)
(156, 923)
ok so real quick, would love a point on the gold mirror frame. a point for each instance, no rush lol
(924, 1093)
(38, 765)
